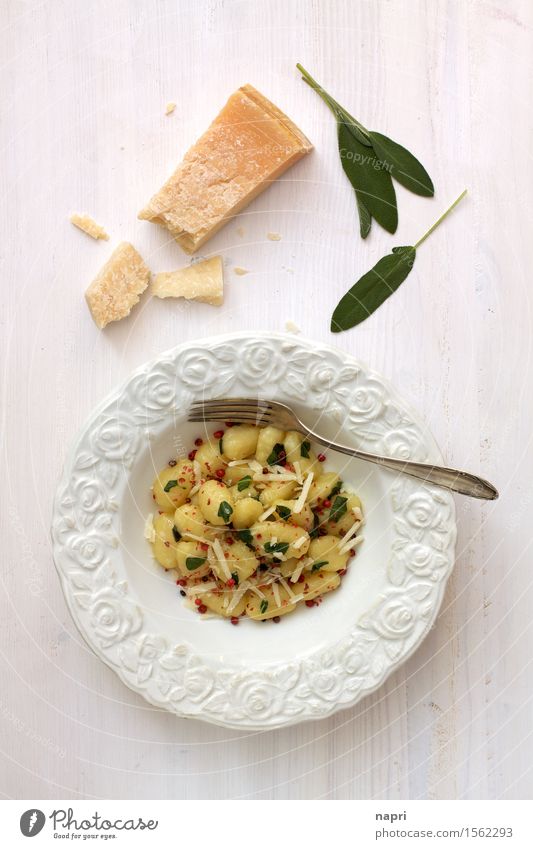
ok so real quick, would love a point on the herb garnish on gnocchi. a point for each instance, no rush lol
(252, 525)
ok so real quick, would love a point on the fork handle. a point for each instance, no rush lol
(454, 479)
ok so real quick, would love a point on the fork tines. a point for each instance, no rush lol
(231, 409)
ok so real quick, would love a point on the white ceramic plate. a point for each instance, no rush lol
(257, 675)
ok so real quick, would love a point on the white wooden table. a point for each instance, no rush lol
(83, 129)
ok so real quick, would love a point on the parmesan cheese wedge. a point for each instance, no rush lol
(116, 289)
(202, 281)
(249, 144)
(88, 225)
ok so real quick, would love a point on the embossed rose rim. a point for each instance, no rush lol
(255, 676)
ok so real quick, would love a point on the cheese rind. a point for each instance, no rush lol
(116, 288)
(88, 225)
(249, 144)
(202, 281)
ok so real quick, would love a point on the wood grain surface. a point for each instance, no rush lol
(84, 89)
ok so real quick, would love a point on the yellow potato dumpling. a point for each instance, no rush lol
(289, 566)
(258, 608)
(268, 438)
(215, 600)
(322, 486)
(240, 559)
(210, 459)
(278, 538)
(247, 490)
(191, 558)
(235, 474)
(298, 449)
(326, 556)
(216, 502)
(246, 511)
(172, 486)
(285, 511)
(319, 583)
(240, 442)
(275, 491)
(164, 545)
(189, 519)
(340, 526)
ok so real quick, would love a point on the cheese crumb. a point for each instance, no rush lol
(240, 271)
(88, 225)
(170, 108)
(291, 327)
(116, 288)
(202, 281)
(149, 530)
(274, 237)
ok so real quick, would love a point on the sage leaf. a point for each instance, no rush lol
(370, 179)
(371, 160)
(402, 165)
(372, 289)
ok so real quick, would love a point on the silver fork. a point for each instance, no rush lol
(261, 413)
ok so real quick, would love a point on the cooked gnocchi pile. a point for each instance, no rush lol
(252, 524)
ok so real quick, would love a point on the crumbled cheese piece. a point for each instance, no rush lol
(291, 327)
(277, 597)
(116, 289)
(352, 543)
(268, 512)
(240, 271)
(302, 498)
(219, 554)
(218, 176)
(255, 466)
(287, 476)
(197, 470)
(89, 226)
(299, 542)
(274, 237)
(170, 108)
(238, 594)
(298, 571)
(201, 281)
(149, 530)
(286, 587)
(357, 513)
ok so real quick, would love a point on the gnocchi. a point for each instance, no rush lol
(252, 525)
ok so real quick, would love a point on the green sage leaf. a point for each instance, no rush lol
(373, 289)
(193, 563)
(369, 177)
(403, 166)
(224, 511)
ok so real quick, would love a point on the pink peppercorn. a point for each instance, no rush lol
(198, 441)
(219, 473)
(321, 458)
(234, 620)
(192, 455)
(202, 608)
(218, 434)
